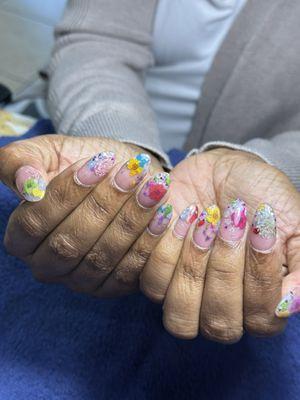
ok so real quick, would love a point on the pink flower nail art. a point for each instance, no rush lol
(234, 221)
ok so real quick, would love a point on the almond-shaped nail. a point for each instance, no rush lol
(289, 304)
(30, 183)
(154, 190)
(133, 172)
(207, 227)
(95, 169)
(263, 229)
(161, 219)
(185, 220)
(234, 221)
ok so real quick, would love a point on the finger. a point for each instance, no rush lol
(30, 223)
(290, 302)
(221, 317)
(183, 299)
(120, 235)
(158, 271)
(263, 275)
(73, 238)
(124, 279)
(24, 165)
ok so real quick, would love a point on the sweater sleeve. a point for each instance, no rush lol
(96, 72)
(282, 151)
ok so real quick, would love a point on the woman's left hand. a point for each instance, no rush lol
(221, 277)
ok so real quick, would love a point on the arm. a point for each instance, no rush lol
(96, 72)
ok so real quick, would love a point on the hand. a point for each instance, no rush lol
(85, 231)
(235, 282)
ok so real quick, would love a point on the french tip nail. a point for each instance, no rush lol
(185, 220)
(233, 222)
(207, 227)
(263, 229)
(154, 190)
(30, 184)
(161, 220)
(289, 304)
(95, 169)
(132, 172)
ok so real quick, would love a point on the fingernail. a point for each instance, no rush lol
(290, 304)
(234, 221)
(154, 190)
(185, 220)
(161, 219)
(263, 229)
(133, 172)
(207, 227)
(95, 169)
(30, 183)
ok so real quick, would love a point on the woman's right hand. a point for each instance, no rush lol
(81, 231)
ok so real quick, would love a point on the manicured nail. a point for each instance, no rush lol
(95, 169)
(30, 183)
(234, 221)
(185, 220)
(207, 227)
(161, 219)
(154, 190)
(263, 230)
(133, 172)
(290, 304)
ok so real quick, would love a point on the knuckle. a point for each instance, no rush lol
(63, 245)
(151, 292)
(32, 224)
(223, 270)
(99, 261)
(95, 207)
(180, 327)
(263, 326)
(221, 331)
(192, 273)
(126, 223)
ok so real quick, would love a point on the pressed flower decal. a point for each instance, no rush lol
(101, 163)
(207, 227)
(34, 188)
(137, 164)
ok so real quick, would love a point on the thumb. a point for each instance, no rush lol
(24, 165)
(290, 302)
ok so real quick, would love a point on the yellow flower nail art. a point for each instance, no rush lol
(134, 167)
(213, 215)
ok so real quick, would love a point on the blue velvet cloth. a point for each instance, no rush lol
(55, 344)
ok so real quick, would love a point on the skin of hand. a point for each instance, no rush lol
(75, 234)
(231, 286)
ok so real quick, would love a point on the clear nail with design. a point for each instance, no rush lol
(290, 304)
(132, 172)
(154, 190)
(207, 227)
(234, 221)
(161, 220)
(95, 169)
(185, 220)
(30, 183)
(263, 229)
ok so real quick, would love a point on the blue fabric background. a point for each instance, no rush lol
(58, 345)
